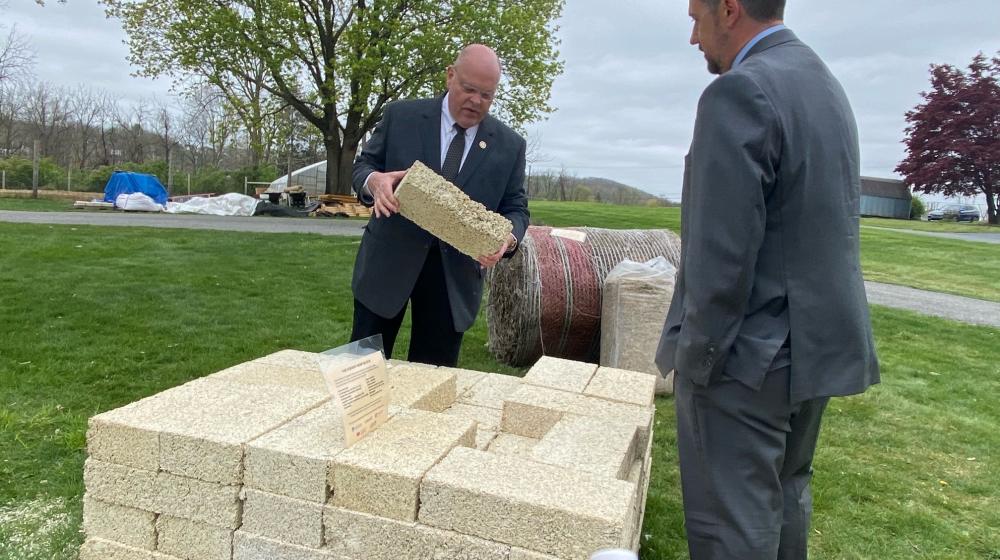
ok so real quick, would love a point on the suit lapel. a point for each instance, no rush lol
(478, 152)
(430, 135)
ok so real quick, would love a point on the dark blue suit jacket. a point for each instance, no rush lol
(394, 249)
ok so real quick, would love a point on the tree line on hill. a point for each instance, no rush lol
(565, 186)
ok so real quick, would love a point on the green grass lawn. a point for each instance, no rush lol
(94, 318)
(36, 205)
(939, 226)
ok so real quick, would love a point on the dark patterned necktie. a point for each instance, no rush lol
(453, 159)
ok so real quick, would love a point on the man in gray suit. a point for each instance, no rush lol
(769, 318)
(398, 262)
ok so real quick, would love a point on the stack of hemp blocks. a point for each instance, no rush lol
(249, 464)
(441, 208)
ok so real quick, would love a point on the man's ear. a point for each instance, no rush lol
(731, 11)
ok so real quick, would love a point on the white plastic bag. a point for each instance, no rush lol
(634, 307)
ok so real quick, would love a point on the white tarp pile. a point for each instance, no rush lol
(229, 204)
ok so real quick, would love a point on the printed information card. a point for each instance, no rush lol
(360, 386)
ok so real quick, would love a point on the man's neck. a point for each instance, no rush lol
(745, 33)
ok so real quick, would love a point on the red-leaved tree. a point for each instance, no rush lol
(953, 138)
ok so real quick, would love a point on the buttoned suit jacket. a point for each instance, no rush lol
(393, 249)
(769, 234)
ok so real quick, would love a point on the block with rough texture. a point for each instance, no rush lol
(619, 385)
(421, 388)
(381, 473)
(465, 379)
(161, 492)
(491, 390)
(509, 444)
(259, 372)
(359, 535)
(595, 445)
(102, 549)
(247, 546)
(125, 525)
(539, 507)
(293, 460)
(484, 438)
(189, 539)
(441, 208)
(293, 358)
(533, 411)
(202, 425)
(522, 554)
(557, 373)
(484, 416)
(283, 519)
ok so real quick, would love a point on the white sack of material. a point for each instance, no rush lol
(138, 202)
(634, 307)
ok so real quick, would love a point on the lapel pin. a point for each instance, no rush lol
(482, 144)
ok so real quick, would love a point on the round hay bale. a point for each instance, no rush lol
(546, 299)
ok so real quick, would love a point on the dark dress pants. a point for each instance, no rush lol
(746, 461)
(433, 339)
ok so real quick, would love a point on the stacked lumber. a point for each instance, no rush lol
(341, 205)
(94, 205)
(250, 464)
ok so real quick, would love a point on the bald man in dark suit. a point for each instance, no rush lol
(400, 263)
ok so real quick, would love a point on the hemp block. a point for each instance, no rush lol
(103, 549)
(247, 546)
(293, 460)
(484, 416)
(593, 445)
(509, 444)
(283, 519)
(381, 473)
(359, 535)
(539, 507)
(421, 387)
(189, 539)
(491, 390)
(201, 426)
(484, 438)
(293, 359)
(441, 208)
(464, 379)
(533, 411)
(619, 385)
(522, 554)
(557, 373)
(165, 493)
(259, 372)
(126, 525)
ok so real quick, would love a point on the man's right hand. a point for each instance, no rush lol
(382, 187)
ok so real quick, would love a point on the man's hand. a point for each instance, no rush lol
(382, 187)
(491, 260)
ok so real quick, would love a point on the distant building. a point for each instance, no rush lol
(312, 178)
(885, 198)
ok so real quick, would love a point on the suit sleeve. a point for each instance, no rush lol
(514, 204)
(371, 158)
(734, 156)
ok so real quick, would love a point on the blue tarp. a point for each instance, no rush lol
(127, 182)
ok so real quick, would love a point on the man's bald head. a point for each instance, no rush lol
(472, 84)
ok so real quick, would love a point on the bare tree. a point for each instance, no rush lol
(16, 57)
(46, 115)
(87, 109)
(207, 127)
(132, 128)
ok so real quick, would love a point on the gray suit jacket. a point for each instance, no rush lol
(769, 234)
(393, 249)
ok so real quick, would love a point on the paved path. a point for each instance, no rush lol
(324, 226)
(958, 308)
(981, 237)
(929, 303)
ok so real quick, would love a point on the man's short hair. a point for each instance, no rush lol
(760, 10)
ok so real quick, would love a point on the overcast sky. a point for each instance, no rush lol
(626, 101)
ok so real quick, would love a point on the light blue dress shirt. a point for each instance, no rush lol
(746, 48)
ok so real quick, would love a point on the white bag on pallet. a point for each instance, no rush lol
(634, 307)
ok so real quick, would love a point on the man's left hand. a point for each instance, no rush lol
(488, 261)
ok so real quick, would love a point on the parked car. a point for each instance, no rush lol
(957, 212)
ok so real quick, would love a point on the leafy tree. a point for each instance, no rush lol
(953, 138)
(917, 207)
(338, 62)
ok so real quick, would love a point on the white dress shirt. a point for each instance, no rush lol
(448, 133)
